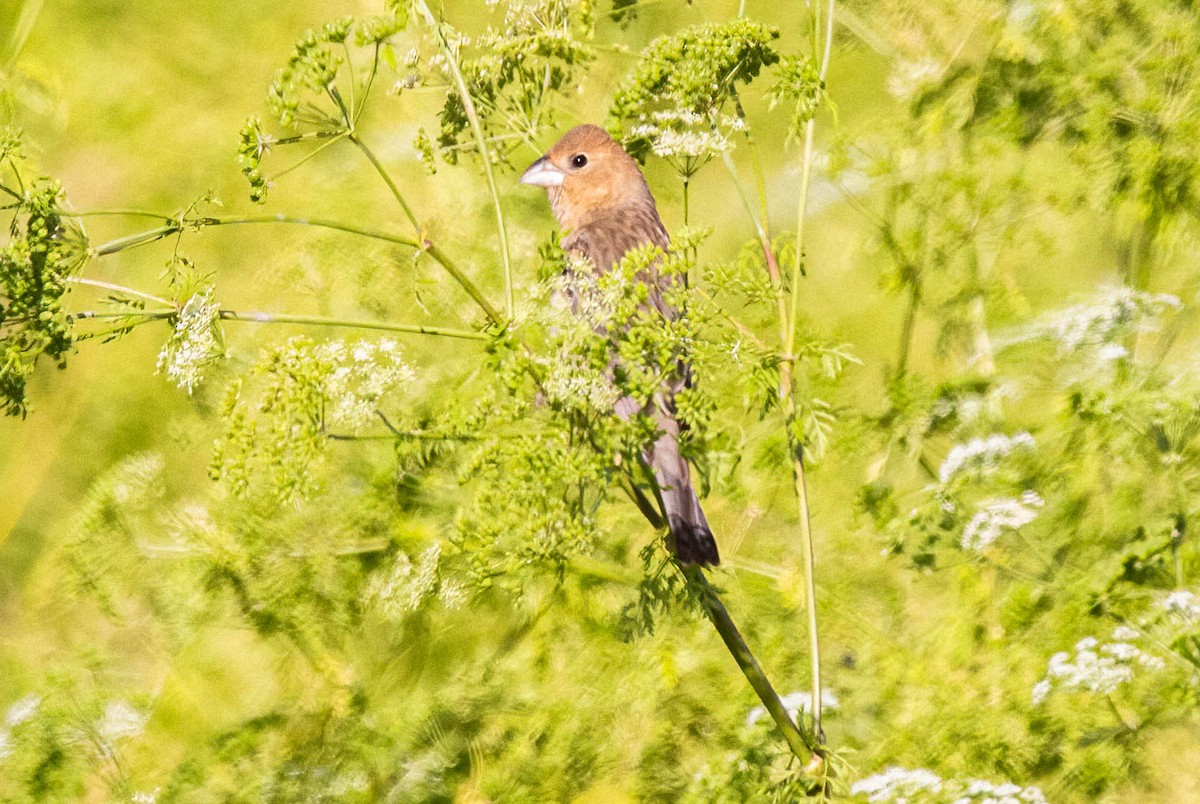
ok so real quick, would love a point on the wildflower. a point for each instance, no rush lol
(1183, 603)
(982, 454)
(195, 343)
(408, 586)
(121, 720)
(910, 78)
(357, 376)
(898, 784)
(1101, 667)
(997, 517)
(1106, 320)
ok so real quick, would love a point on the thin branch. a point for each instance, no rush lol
(481, 142)
(259, 317)
(256, 317)
(787, 393)
(387, 179)
(96, 283)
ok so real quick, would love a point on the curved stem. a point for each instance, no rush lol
(480, 142)
(177, 225)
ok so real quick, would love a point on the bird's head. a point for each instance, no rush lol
(587, 176)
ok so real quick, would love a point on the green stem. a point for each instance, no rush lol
(176, 225)
(259, 317)
(764, 240)
(804, 747)
(387, 179)
(480, 142)
(96, 283)
(139, 239)
(256, 317)
(467, 285)
(798, 270)
(787, 392)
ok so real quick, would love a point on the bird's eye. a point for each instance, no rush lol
(578, 160)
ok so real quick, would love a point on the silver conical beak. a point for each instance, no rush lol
(542, 173)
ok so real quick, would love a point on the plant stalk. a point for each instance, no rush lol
(480, 143)
(804, 747)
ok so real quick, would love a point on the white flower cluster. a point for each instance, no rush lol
(982, 454)
(901, 785)
(120, 721)
(1106, 320)
(795, 703)
(194, 343)
(687, 137)
(408, 586)
(360, 374)
(1096, 667)
(997, 517)
(1184, 604)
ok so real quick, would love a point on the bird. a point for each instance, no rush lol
(604, 207)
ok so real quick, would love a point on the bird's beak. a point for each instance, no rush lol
(543, 173)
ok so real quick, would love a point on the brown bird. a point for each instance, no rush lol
(604, 206)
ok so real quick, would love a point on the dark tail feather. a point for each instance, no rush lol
(691, 538)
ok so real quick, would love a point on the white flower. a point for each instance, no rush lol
(1100, 667)
(1108, 318)
(688, 144)
(1126, 632)
(896, 785)
(121, 720)
(910, 77)
(999, 516)
(358, 376)
(194, 343)
(409, 585)
(1183, 603)
(22, 710)
(982, 454)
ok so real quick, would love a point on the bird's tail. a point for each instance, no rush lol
(691, 538)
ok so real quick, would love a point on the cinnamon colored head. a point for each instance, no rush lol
(588, 176)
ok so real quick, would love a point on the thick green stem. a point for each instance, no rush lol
(480, 143)
(804, 747)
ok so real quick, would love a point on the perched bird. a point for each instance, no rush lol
(604, 206)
